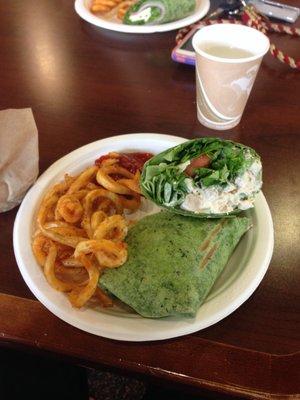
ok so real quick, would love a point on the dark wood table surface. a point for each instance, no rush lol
(83, 84)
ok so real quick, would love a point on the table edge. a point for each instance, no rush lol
(280, 363)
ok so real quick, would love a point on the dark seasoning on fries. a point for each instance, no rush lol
(81, 225)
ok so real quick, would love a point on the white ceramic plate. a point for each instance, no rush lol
(82, 8)
(238, 281)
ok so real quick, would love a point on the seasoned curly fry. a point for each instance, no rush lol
(62, 224)
(109, 162)
(104, 178)
(108, 207)
(81, 230)
(98, 195)
(104, 5)
(131, 202)
(132, 184)
(109, 254)
(89, 203)
(78, 297)
(111, 157)
(97, 218)
(62, 238)
(69, 179)
(83, 179)
(58, 190)
(50, 273)
(71, 262)
(123, 7)
(113, 228)
(40, 247)
(104, 300)
(91, 186)
(70, 208)
(47, 205)
(73, 275)
(66, 230)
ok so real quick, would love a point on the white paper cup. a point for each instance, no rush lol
(223, 84)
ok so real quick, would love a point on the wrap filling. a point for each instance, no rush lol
(207, 176)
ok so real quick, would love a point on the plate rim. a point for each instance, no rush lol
(85, 14)
(185, 326)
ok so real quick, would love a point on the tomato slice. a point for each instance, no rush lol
(199, 162)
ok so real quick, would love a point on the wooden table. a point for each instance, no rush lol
(84, 83)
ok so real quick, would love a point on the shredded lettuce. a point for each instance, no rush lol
(165, 183)
(161, 11)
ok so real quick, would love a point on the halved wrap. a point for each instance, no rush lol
(147, 12)
(173, 261)
(206, 177)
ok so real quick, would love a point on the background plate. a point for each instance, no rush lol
(238, 281)
(82, 8)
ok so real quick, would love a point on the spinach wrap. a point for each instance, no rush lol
(205, 177)
(173, 262)
(147, 12)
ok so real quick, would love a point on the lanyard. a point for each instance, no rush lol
(251, 17)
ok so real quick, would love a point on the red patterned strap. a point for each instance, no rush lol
(252, 18)
(184, 31)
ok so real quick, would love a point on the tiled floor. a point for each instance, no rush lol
(26, 376)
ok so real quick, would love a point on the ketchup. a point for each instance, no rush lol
(133, 162)
(101, 159)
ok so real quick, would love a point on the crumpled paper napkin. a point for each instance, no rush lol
(19, 155)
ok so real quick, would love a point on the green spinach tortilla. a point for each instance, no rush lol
(173, 261)
(147, 12)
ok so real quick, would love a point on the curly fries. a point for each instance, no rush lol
(81, 229)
